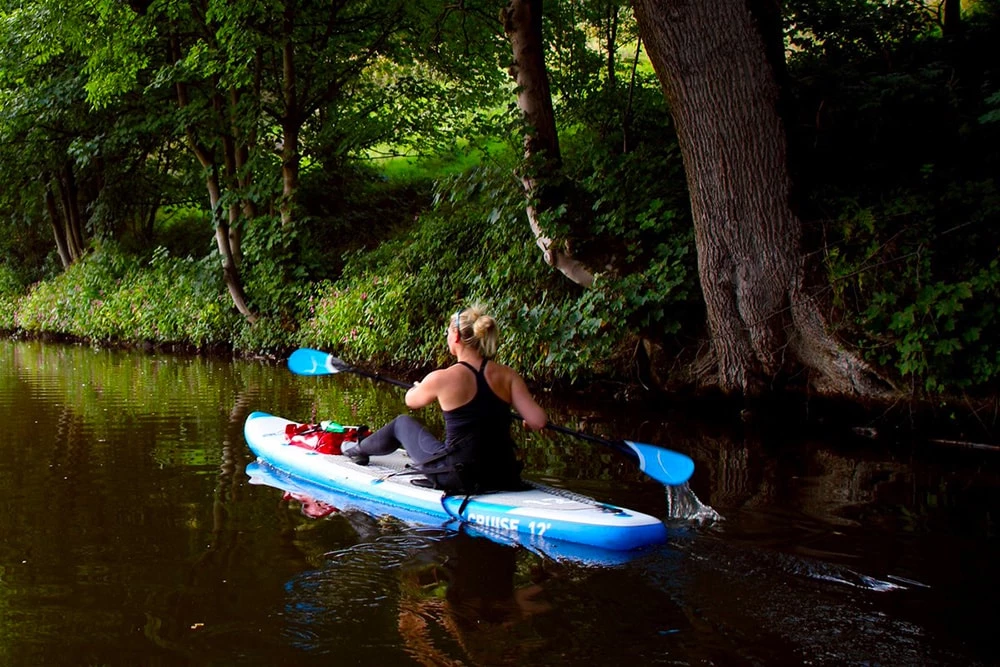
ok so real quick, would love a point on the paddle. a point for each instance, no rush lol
(663, 465)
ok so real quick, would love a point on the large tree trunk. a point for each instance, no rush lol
(523, 24)
(713, 65)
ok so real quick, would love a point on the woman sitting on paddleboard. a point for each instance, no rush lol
(476, 396)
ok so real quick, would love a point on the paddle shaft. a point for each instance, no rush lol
(620, 446)
(376, 376)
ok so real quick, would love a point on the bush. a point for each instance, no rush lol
(11, 293)
(898, 161)
(110, 296)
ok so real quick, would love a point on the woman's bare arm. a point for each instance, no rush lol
(522, 400)
(425, 392)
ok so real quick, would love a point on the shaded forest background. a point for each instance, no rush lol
(262, 176)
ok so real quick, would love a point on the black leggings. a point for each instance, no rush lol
(406, 432)
(423, 448)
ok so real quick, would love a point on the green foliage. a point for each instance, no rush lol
(185, 231)
(272, 269)
(931, 320)
(391, 305)
(851, 31)
(11, 292)
(263, 337)
(900, 162)
(945, 334)
(109, 296)
(369, 317)
(892, 128)
(464, 156)
(993, 114)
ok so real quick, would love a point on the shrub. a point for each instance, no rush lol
(11, 293)
(111, 296)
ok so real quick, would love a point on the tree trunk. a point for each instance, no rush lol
(58, 226)
(243, 175)
(289, 171)
(714, 68)
(523, 24)
(290, 121)
(627, 113)
(230, 160)
(71, 217)
(224, 239)
(611, 43)
(230, 271)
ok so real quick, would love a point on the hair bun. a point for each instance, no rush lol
(483, 325)
(482, 329)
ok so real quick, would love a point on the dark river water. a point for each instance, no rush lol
(131, 535)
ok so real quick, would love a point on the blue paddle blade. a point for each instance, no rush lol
(663, 465)
(311, 362)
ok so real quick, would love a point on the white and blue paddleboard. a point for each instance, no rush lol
(539, 517)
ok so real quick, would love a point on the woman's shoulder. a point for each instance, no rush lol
(496, 373)
(499, 375)
(507, 370)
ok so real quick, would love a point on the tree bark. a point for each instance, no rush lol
(230, 271)
(764, 323)
(522, 21)
(71, 216)
(611, 43)
(627, 113)
(231, 161)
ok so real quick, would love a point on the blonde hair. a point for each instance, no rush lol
(478, 330)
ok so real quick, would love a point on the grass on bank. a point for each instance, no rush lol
(464, 157)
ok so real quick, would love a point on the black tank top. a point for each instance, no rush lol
(478, 446)
(485, 417)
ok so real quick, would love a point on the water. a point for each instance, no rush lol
(129, 535)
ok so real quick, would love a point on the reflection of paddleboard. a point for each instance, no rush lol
(542, 517)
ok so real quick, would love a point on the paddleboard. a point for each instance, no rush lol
(542, 517)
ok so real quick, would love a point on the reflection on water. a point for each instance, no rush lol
(470, 592)
(455, 598)
(130, 534)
